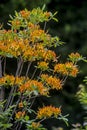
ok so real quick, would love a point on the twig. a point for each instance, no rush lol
(0, 67)
(21, 69)
(34, 73)
(14, 110)
(11, 97)
(1, 88)
(40, 73)
(4, 66)
(27, 71)
(45, 25)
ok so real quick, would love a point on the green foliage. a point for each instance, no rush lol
(78, 126)
(64, 118)
(30, 127)
(4, 116)
(82, 95)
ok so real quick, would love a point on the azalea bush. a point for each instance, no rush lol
(29, 42)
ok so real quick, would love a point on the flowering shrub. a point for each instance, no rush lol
(28, 43)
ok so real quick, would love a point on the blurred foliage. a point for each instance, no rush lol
(82, 97)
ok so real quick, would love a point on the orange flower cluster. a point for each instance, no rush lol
(16, 47)
(29, 54)
(11, 80)
(25, 14)
(33, 27)
(13, 46)
(20, 114)
(16, 23)
(35, 16)
(35, 125)
(28, 41)
(49, 55)
(20, 105)
(66, 69)
(34, 85)
(37, 35)
(39, 16)
(74, 57)
(54, 82)
(43, 65)
(47, 14)
(44, 53)
(48, 111)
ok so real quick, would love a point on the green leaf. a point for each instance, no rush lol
(84, 60)
(26, 118)
(55, 19)
(44, 6)
(64, 119)
(16, 14)
(9, 55)
(11, 17)
(55, 13)
(7, 125)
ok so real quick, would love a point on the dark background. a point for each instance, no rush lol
(72, 29)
